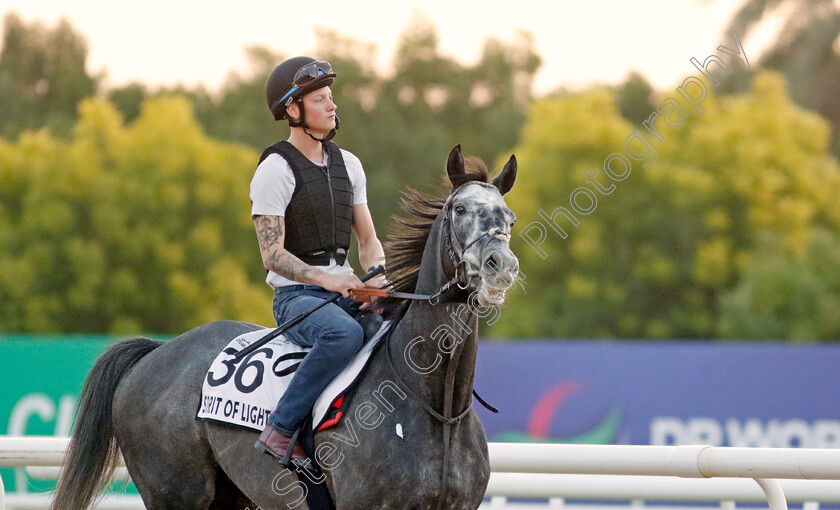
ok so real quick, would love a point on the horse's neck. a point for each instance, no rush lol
(431, 341)
(431, 277)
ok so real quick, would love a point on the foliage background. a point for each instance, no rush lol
(126, 210)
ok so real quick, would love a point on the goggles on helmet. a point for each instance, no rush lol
(303, 77)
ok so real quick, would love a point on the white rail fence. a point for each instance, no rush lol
(559, 472)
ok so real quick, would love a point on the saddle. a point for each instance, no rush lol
(245, 393)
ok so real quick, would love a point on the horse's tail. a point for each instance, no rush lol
(89, 461)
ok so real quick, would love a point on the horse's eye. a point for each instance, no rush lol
(460, 209)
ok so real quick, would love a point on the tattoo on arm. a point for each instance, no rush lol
(269, 231)
(276, 257)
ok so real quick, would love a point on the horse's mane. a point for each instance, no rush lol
(407, 241)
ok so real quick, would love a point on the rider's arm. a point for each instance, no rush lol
(370, 249)
(271, 235)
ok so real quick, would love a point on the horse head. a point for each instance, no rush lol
(476, 228)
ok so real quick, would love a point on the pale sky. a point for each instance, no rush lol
(581, 42)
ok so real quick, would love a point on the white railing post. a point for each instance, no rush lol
(496, 503)
(775, 495)
(2, 495)
(556, 503)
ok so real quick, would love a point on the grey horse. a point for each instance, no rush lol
(409, 439)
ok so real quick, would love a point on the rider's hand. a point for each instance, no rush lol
(381, 283)
(341, 283)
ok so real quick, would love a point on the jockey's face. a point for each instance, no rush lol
(320, 110)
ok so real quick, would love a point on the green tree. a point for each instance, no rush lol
(128, 99)
(42, 76)
(786, 298)
(433, 102)
(127, 228)
(634, 98)
(665, 251)
(118, 200)
(807, 51)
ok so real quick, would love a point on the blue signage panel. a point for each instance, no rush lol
(722, 394)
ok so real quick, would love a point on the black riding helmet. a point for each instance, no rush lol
(292, 80)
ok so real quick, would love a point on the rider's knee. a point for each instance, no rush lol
(351, 338)
(356, 333)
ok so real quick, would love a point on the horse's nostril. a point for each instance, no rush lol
(492, 262)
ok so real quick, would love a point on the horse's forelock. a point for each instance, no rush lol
(475, 170)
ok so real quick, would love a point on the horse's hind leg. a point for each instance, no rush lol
(179, 473)
(167, 482)
(228, 496)
(182, 476)
(165, 452)
(265, 482)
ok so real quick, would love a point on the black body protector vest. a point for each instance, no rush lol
(319, 216)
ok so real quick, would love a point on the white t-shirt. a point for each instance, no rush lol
(271, 192)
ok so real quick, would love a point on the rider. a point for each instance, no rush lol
(307, 195)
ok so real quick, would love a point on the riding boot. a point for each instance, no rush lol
(370, 322)
(279, 445)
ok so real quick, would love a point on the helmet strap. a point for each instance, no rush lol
(301, 120)
(327, 137)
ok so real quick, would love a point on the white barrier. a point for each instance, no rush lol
(654, 488)
(42, 501)
(682, 461)
(764, 465)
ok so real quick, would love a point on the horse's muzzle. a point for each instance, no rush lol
(498, 271)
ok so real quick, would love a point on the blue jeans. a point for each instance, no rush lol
(335, 338)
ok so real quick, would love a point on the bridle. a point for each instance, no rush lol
(464, 274)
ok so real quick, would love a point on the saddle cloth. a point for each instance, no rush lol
(245, 393)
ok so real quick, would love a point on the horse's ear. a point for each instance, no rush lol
(504, 181)
(455, 165)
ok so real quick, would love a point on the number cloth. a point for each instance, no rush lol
(245, 393)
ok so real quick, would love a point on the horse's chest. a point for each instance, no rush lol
(400, 465)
